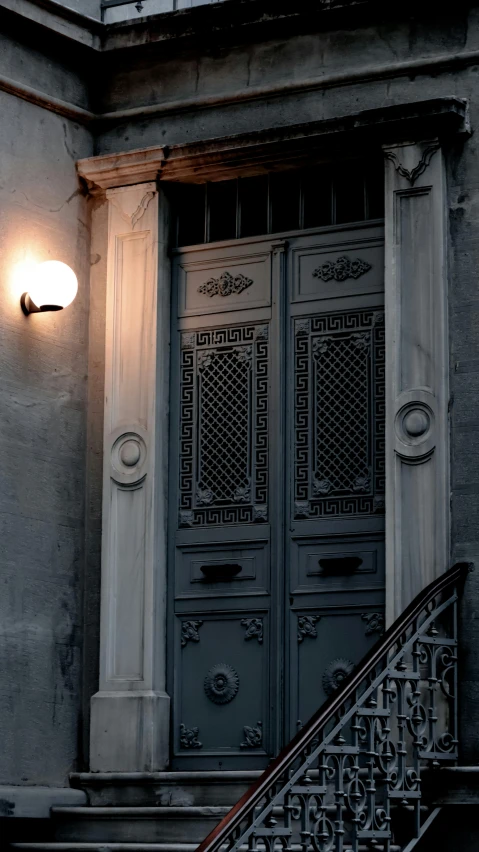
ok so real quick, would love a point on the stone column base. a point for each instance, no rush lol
(129, 731)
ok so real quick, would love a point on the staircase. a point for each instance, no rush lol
(361, 776)
(158, 812)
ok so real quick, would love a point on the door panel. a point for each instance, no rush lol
(214, 282)
(222, 692)
(329, 566)
(276, 485)
(320, 665)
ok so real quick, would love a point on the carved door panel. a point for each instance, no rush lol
(335, 540)
(276, 471)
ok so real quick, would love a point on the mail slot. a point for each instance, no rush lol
(340, 564)
(220, 572)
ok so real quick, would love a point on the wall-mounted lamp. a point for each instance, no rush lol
(53, 286)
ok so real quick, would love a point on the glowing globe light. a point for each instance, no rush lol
(53, 286)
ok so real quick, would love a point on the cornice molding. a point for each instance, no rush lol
(254, 152)
(59, 19)
(41, 99)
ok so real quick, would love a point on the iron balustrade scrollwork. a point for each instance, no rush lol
(352, 779)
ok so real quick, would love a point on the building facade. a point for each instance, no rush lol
(251, 440)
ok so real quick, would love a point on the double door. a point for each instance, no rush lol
(276, 538)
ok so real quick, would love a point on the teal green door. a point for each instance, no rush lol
(276, 567)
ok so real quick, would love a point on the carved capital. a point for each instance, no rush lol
(412, 174)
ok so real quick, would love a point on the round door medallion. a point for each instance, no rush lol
(335, 673)
(221, 683)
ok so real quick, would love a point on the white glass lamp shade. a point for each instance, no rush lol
(53, 286)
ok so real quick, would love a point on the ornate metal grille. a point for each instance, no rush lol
(224, 426)
(339, 414)
(351, 779)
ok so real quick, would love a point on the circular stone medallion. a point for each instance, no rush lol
(130, 453)
(221, 683)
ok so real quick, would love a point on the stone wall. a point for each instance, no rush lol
(43, 394)
(86, 7)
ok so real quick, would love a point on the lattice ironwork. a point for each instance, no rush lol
(224, 426)
(339, 414)
(353, 778)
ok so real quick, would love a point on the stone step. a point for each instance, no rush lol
(105, 847)
(135, 824)
(164, 789)
(146, 847)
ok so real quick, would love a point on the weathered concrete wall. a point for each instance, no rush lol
(86, 7)
(43, 393)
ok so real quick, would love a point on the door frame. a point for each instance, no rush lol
(130, 712)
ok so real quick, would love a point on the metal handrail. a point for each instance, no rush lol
(362, 711)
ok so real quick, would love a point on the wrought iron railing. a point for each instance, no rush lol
(353, 777)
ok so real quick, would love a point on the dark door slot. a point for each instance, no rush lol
(340, 564)
(220, 573)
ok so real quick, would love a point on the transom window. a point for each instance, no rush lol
(277, 202)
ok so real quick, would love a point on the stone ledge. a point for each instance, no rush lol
(455, 785)
(252, 153)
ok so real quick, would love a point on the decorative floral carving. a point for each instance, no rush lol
(188, 340)
(335, 673)
(225, 285)
(254, 629)
(321, 487)
(244, 355)
(189, 632)
(204, 496)
(379, 504)
(306, 626)
(341, 269)
(362, 484)
(320, 345)
(301, 509)
(260, 513)
(221, 683)
(205, 359)
(253, 736)
(189, 737)
(361, 340)
(413, 174)
(375, 623)
(261, 333)
(302, 326)
(186, 519)
(242, 493)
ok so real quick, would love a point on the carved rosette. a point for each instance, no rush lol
(341, 269)
(221, 683)
(375, 622)
(337, 671)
